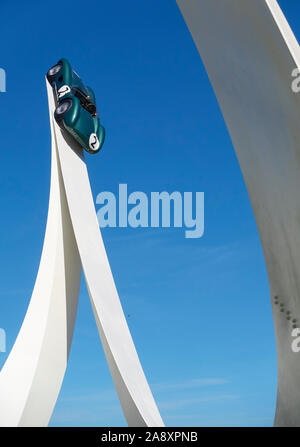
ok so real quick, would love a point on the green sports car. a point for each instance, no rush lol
(76, 109)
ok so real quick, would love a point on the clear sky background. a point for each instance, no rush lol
(200, 312)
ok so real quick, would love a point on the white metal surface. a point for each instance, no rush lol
(31, 378)
(249, 52)
(132, 387)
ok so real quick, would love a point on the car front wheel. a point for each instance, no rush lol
(54, 70)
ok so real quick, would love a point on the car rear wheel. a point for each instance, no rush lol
(61, 110)
(63, 107)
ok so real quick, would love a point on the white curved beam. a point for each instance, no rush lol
(249, 52)
(31, 377)
(132, 387)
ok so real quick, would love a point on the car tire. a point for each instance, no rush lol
(52, 72)
(61, 110)
(63, 107)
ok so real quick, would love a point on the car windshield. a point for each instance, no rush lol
(85, 101)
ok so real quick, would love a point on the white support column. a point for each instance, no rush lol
(132, 387)
(249, 52)
(31, 378)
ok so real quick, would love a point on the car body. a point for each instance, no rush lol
(76, 110)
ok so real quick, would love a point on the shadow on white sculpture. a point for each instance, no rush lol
(31, 378)
(250, 52)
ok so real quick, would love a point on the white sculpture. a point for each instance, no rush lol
(32, 376)
(250, 52)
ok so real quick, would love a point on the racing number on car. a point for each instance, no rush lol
(94, 142)
(63, 91)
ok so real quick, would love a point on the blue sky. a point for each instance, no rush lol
(200, 312)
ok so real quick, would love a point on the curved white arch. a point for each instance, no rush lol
(31, 378)
(249, 52)
(129, 379)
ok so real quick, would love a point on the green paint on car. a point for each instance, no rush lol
(76, 110)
